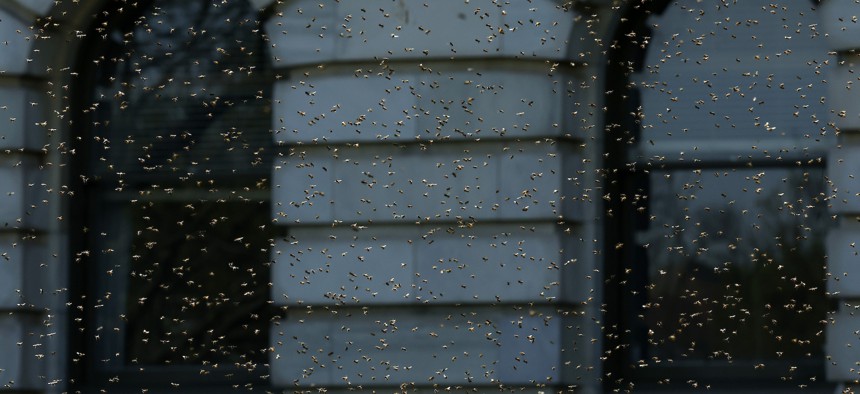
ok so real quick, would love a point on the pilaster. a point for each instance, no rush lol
(431, 184)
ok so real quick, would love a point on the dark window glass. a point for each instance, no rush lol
(178, 223)
(735, 265)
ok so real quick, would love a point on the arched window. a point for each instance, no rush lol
(174, 131)
(715, 233)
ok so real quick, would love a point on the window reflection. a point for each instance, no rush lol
(178, 185)
(735, 264)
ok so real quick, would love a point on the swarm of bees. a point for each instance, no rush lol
(425, 196)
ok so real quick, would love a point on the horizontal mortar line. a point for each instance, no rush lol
(439, 223)
(8, 154)
(24, 231)
(444, 386)
(23, 80)
(22, 311)
(414, 142)
(847, 55)
(492, 63)
(430, 306)
(756, 163)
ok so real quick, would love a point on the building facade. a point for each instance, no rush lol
(457, 195)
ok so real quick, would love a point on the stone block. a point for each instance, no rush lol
(39, 7)
(303, 189)
(489, 263)
(409, 264)
(843, 164)
(495, 180)
(843, 262)
(261, 3)
(478, 346)
(843, 340)
(839, 22)
(21, 257)
(20, 366)
(494, 100)
(307, 32)
(23, 199)
(17, 44)
(323, 265)
(20, 111)
(540, 29)
(541, 179)
(415, 29)
(433, 101)
(345, 108)
(301, 33)
(451, 182)
(844, 94)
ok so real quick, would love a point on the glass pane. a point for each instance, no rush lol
(197, 287)
(180, 153)
(186, 94)
(734, 266)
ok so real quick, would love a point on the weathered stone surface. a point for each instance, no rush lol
(408, 264)
(19, 366)
(23, 201)
(843, 339)
(17, 42)
(346, 107)
(21, 111)
(844, 93)
(839, 22)
(385, 346)
(308, 32)
(843, 261)
(21, 257)
(39, 7)
(261, 3)
(842, 165)
(434, 101)
(530, 180)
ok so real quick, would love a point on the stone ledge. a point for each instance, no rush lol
(844, 94)
(839, 24)
(479, 346)
(20, 365)
(307, 32)
(21, 257)
(38, 7)
(843, 261)
(18, 43)
(499, 180)
(842, 166)
(21, 108)
(23, 198)
(407, 264)
(842, 342)
(426, 101)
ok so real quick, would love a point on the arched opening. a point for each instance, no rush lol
(173, 134)
(715, 227)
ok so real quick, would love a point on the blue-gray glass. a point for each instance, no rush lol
(735, 266)
(179, 161)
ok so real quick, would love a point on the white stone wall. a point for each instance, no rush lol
(435, 180)
(24, 207)
(432, 182)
